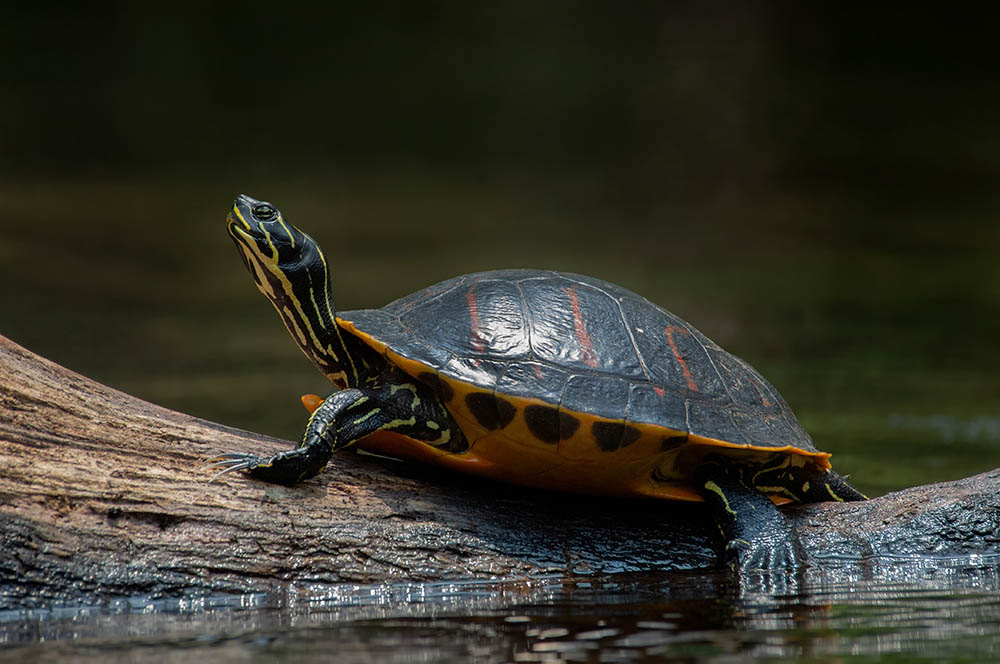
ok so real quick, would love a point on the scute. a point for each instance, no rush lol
(677, 356)
(653, 404)
(584, 346)
(574, 324)
(608, 395)
(534, 380)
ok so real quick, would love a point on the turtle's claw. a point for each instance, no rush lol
(231, 462)
(287, 468)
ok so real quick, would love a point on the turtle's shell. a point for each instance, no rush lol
(571, 382)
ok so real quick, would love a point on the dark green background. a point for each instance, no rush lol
(813, 185)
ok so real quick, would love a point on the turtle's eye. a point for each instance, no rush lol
(264, 212)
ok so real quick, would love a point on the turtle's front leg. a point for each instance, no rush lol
(342, 419)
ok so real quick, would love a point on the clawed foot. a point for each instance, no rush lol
(288, 467)
(232, 462)
(757, 535)
(766, 553)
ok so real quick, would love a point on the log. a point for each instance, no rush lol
(105, 495)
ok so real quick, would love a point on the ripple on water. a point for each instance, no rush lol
(952, 613)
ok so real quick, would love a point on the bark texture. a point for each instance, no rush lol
(103, 494)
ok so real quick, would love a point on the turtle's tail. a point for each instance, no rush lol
(831, 486)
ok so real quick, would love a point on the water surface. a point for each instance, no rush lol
(950, 614)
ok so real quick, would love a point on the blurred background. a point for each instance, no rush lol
(813, 185)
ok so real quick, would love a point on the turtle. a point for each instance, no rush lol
(538, 378)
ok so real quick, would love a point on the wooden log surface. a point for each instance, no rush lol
(103, 494)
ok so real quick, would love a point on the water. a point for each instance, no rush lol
(948, 614)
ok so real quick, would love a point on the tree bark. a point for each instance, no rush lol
(103, 494)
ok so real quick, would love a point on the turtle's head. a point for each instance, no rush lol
(259, 227)
(286, 264)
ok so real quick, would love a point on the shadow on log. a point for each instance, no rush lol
(103, 494)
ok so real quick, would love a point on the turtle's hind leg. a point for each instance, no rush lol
(755, 532)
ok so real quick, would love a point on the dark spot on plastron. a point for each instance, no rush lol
(631, 435)
(491, 413)
(441, 388)
(549, 425)
(611, 436)
(505, 410)
(672, 442)
(607, 435)
(483, 408)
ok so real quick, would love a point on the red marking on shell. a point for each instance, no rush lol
(760, 390)
(582, 336)
(475, 325)
(669, 330)
(659, 390)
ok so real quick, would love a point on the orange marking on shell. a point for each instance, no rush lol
(582, 336)
(669, 330)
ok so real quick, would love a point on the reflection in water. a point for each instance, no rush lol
(936, 609)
